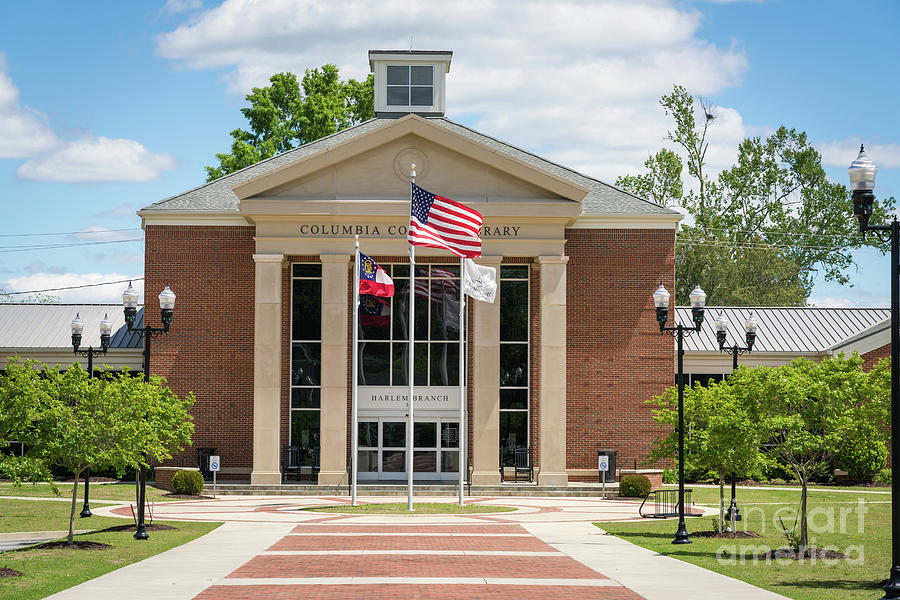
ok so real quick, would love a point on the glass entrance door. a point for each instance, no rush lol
(382, 449)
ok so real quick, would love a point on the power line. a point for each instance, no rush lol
(4, 249)
(83, 232)
(73, 287)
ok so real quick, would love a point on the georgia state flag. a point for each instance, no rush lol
(372, 278)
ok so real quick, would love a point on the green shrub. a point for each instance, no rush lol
(884, 476)
(634, 486)
(669, 476)
(188, 482)
(863, 454)
(777, 481)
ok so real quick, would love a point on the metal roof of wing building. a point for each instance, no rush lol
(794, 329)
(217, 195)
(49, 326)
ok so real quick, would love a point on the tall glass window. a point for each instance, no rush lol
(306, 359)
(514, 320)
(384, 329)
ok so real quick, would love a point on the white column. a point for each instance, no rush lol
(485, 343)
(267, 370)
(552, 421)
(335, 367)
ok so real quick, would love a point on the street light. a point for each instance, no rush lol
(698, 301)
(167, 310)
(862, 181)
(750, 327)
(90, 353)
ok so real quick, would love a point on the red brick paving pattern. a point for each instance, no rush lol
(401, 529)
(407, 565)
(407, 542)
(402, 591)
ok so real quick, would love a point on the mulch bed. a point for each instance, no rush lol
(187, 496)
(92, 480)
(80, 545)
(153, 527)
(725, 534)
(790, 553)
(4, 572)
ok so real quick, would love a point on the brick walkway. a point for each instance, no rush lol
(428, 562)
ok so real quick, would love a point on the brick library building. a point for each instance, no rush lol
(261, 260)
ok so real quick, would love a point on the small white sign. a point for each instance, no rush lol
(603, 462)
(214, 463)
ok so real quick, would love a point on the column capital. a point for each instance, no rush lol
(553, 260)
(268, 258)
(335, 258)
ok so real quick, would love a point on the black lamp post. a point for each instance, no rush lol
(698, 301)
(90, 353)
(167, 311)
(750, 327)
(862, 182)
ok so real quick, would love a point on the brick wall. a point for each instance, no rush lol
(616, 357)
(209, 349)
(870, 359)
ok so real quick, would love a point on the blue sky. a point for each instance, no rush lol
(106, 107)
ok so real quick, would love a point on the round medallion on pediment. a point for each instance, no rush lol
(409, 156)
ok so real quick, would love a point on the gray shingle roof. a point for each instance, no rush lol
(50, 325)
(217, 195)
(784, 329)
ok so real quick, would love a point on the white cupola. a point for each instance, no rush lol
(409, 81)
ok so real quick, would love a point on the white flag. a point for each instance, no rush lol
(479, 281)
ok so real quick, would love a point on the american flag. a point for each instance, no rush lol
(439, 222)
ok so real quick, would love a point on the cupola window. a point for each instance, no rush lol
(410, 85)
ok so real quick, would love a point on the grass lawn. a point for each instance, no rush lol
(49, 571)
(858, 524)
(123, 492)
(39, 515)
(422, 508)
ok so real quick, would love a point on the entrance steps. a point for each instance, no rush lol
(574, 489)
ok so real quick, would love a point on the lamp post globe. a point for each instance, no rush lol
(77, 331)
(722, 324)
(750, 327)
(105, 331)
(130, 302)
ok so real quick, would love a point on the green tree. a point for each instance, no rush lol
(810, 411)
(282, 117)
(107, 422)
(774, 207)
(36, 298)
(21, 393)
(721, 432)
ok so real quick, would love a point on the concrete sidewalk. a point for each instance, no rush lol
(268, 548)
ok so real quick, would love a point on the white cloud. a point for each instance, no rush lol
(172, 7)
(832, 302)
(576, 82)
(122, 210)
(841, 153)
(24, 130)
(94, 294)
(97, 159)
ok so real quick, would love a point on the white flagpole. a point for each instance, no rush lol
(411, 374)
(354, 373)
(462, 379)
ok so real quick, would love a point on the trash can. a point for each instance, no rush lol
(611, 472)
(203, 455)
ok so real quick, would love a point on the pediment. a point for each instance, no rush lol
(374, 167)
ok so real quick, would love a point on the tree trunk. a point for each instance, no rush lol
(804, 539)
(71, 539)
(721, 503)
